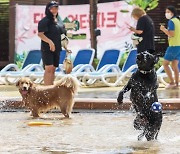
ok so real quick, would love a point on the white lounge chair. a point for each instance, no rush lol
(11, 73)
(161, 74)
(113, 71)
(108, 67)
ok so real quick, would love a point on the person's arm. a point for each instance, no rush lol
(139, 27)
(47, 40)
(62, 25)
(136, 31)
(42, 28)
(170, 31)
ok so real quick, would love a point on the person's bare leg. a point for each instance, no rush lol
(168, 71)
(176, 71)
(49, 75)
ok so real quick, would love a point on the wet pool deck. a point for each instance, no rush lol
(102, 98)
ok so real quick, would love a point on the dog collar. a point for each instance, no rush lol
(145, 72)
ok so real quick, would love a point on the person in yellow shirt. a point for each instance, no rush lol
(173, 51)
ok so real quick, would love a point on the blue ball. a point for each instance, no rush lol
(156, 107)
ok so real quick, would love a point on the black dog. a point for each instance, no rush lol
(143, 85)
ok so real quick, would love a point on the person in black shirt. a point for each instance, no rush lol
(50, 29)
(145, 29)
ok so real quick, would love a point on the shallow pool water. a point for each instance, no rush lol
(85, 132)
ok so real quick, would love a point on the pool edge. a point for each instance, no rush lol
(96, 104)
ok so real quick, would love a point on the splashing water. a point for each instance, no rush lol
(85, 132)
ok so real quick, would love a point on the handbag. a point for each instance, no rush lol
(67, 63)
(136, 39)
(64, 41)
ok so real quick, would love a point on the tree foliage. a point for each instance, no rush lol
(2, 1)
(144, 4)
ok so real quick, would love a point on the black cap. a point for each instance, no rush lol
(53, 4)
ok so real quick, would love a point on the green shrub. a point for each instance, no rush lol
(95, 62)
(123, 59)
(159, 64)
(145, 4)
(125, 55)
(19, 59)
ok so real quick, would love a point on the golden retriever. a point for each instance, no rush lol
(43, 98)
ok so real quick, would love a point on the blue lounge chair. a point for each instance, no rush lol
(110, 57)
(128, 68)
(108, 66)
(62, 56)
(33, 57)
(61, 60)
(130, 61)
(84, 56)
(31, 63)
(37, 77)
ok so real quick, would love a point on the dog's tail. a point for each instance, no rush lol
(69, 82)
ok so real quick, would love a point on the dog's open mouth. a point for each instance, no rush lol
(24, 92)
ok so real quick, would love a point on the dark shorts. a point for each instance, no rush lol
(50, 58)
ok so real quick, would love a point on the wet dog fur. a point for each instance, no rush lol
(43, 98)
(143, 85)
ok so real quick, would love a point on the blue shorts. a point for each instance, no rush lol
(172, 53)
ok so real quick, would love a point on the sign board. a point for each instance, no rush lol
(112, 20)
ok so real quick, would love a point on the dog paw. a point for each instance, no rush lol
(119, 102)
(150, 136)
(120, 98)
(140, 137)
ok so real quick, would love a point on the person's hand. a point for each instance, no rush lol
(162, 28)
(69, 51)
(127, 25)
(131, 28)
(51, 46)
